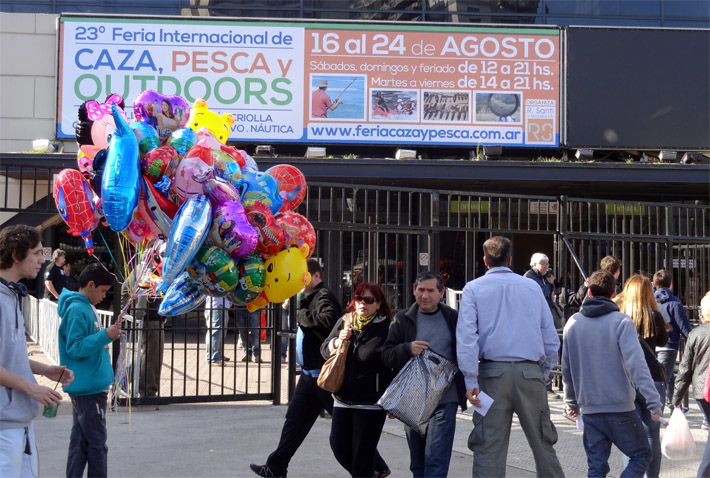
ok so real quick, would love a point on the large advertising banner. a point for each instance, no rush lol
(326, 83)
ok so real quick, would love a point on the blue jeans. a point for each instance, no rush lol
(429, 455)
(667, 359)
(624, 430)
(653, 432)
(87, 441)
(213, 338)
(249, 325)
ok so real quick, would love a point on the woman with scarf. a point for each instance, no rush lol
(357, 422)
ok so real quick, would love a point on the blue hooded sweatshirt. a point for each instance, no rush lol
(83, 345)
(673, 311)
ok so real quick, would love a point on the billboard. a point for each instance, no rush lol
(326, 82)
(653, 92)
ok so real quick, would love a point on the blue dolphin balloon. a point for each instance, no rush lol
(120, 185)
(182, 296)
(262, 187)
(190, 227)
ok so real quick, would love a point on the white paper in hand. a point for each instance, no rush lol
(486, 402)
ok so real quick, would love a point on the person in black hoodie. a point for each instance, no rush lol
(317, 314)
(357, 420)
(428, 324)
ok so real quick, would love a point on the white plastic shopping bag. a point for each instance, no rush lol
(678, 443)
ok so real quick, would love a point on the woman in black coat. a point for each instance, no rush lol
(357, 420)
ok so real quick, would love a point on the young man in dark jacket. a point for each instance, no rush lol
(674, 313)
(318, 312)
(428, 324)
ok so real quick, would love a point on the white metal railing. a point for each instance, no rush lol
(42, 325)
(453, 298)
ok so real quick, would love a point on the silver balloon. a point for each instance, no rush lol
(182, 296)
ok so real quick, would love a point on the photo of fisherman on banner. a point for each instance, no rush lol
(337, 97)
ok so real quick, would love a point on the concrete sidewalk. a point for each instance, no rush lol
(221, 439)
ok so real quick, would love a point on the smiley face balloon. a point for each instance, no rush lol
(286, 274)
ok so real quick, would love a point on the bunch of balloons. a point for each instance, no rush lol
(169, 183)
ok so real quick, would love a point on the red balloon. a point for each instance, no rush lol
(271, 235)
(75, 203)
(292, 185)
(298, 230)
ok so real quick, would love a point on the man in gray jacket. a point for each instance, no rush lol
(600, 352)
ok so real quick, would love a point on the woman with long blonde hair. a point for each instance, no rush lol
(637, 301)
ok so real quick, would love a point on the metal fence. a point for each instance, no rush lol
(388, 235)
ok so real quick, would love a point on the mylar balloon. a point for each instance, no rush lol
(262, 187)
(164, 113)
(149, 222)
(146, 136)
(96, 124)
(182, 140)
(286, 275)
(75, 203)
(227, 168)
(182, 296)
(298, 230)
(231, 230)
(214, 271)
(157, 201)
(201, 116)
(97, 175)
(252, 276)
(120, 188)
(186, 236)
(292, 185)
(84, 162)
(218, 190)
(193, 171)
(271, 236)
(160, 162)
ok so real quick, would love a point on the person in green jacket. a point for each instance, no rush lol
(83, 347)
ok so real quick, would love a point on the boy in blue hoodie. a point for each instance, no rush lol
(83, 347)
(601, 357)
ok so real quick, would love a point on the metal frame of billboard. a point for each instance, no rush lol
(440, 84)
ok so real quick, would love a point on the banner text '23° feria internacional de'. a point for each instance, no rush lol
(398, 84)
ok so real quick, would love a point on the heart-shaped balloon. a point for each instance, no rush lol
(232, 231)
(164, 113)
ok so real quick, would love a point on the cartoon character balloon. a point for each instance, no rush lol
(262, 187)
(96, 124)
(214, 271)
(286, 274)
(182, 140)
(120, 187)
(292, 185)
(297, 229)
(147, 137)
(190, 227)
(160, 163)
(271, 236)
(195, 169)
(201, 116)
(75, 203)
(231, 230)
(252, 276)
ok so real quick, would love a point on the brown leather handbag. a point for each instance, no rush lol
(333, 371)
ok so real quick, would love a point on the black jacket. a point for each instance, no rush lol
(366, 377)
(317, 314)
(403, 331)
(694, 364)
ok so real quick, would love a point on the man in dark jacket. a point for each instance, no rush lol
(428, 324)
(318, 312)
(673, 312)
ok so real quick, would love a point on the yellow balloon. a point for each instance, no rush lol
(202, 117)
(286, 275)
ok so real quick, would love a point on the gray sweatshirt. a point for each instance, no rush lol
(17, 409)
(603, 362)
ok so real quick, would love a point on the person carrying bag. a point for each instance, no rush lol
(333, 371)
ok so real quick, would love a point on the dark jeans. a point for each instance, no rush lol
(704, 468)
(430, 455)
(354, 435)
(303, 411)
(87, 442)
(667, 359)
(624, 430)
(653, 431)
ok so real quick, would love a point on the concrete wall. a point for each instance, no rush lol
(28, 79)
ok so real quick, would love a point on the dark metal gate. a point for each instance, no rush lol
(388, 235)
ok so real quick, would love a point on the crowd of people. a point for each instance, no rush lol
(504, 340)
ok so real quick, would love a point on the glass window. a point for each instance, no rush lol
(698, 9)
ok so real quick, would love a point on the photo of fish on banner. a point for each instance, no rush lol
(223, 227)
